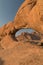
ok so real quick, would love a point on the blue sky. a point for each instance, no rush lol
(8, 9)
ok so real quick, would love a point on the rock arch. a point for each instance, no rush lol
(28, 16)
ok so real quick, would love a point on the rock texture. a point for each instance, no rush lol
(30, 15)
(33, 38)
(27, 48)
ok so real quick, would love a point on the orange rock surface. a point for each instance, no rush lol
(26, 49)
(30, 15)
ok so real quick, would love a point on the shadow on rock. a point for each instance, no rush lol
(1, 61)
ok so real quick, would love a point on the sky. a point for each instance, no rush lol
(8, 9)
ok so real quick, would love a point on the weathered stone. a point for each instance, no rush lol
(28, 15)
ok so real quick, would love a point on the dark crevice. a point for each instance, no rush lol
(31, 3)
(35, 37)
(0, 39)
(12, 34)
(1, 61)
(41, 44)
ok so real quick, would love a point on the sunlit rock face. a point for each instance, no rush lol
(27, 48)
(30, 15)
